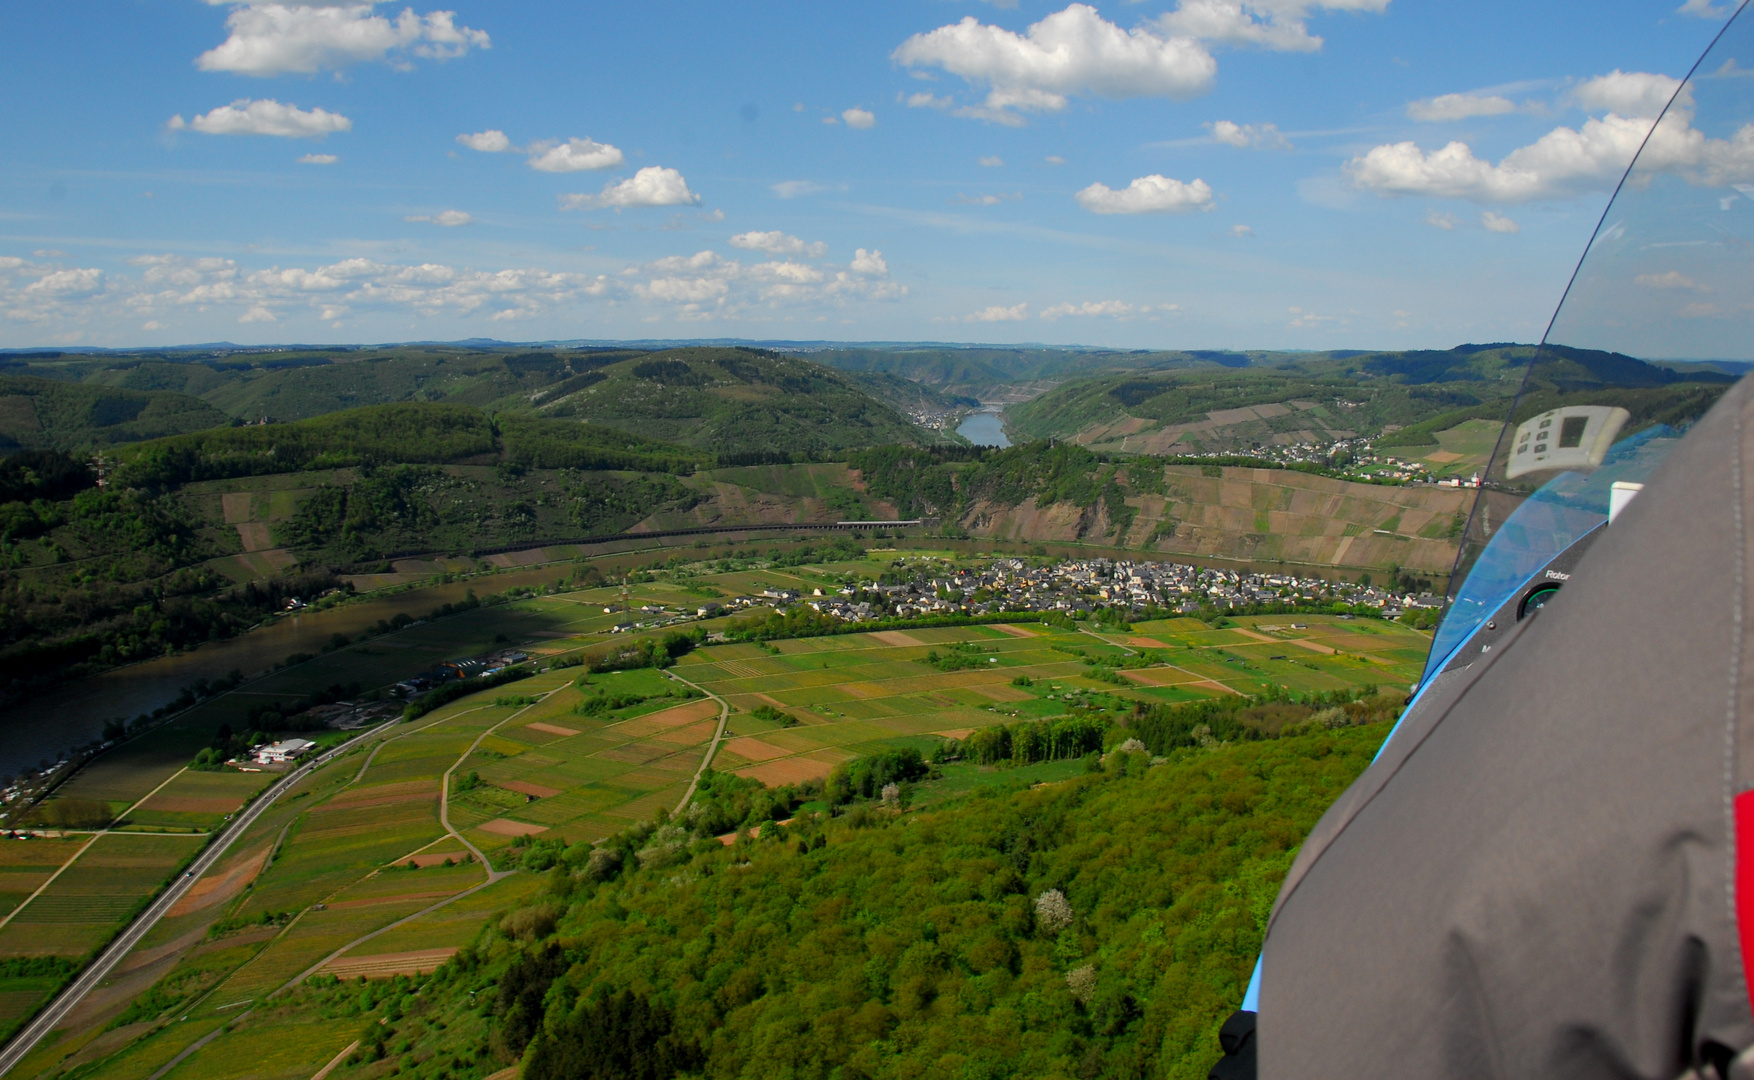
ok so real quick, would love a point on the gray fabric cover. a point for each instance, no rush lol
(1539, 881)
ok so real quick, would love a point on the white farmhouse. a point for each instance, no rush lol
(282, 752)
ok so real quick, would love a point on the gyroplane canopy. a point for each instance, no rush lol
(1655, 324)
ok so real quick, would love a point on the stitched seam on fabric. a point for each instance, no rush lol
(1486, 664)
(1732, 846)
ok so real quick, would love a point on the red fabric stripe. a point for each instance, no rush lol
(1745, 886)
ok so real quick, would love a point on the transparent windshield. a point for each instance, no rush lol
(1657, 323)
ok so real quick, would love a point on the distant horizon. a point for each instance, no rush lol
(815, 345)
(677, 343)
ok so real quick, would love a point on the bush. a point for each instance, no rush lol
(773, 715)
(450, 692)
(73, 814)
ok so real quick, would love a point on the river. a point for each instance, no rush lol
(984, 428)
(74, 714)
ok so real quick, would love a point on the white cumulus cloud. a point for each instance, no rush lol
(318, 159)
(651, 186)
(274, 39)
(1439, 220)
(1672, 279)
(78, 282)
(1277, 25)
(1242, 136)
(1628, 93)
(996, 313)
(1705, 9)
(577, 155)
(859, 118)
(1498, 223)
(265, 117)
(992, 162)
(1112, 309)
(869, 263)
(170, 284)
(778, 243)
(1566, 161)
(447, 218)
(1154, 194)
(707, 286)
(1074, 51)
(491, 141)
(1459, 107)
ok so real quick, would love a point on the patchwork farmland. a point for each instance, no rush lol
(391, 859)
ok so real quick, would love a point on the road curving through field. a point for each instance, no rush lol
(712, 748)
(95, 972)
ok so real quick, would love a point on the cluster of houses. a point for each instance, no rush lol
(1361, 461)
(1080, 585)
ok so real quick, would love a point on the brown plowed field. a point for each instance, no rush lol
(388, 965)
(896, 637)
(754, 749)
(552, 729)
(212, 890)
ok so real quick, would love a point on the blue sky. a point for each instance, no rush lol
(1181, 174)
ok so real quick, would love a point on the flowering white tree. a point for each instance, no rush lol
(1053, 912)
(1082, 983)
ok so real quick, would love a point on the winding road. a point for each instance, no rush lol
(95, 972)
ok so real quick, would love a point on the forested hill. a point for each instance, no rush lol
(412, 434)
(1406, 396)
(49, 414)
(730, 400)
(1102, 926)
(724, 399)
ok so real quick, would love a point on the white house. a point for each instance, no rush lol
(282, 752)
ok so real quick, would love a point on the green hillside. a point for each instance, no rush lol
(47, 414)
(411, 434)
(1398, 399)
(1099, 926)
(731, 401)
(728, 400)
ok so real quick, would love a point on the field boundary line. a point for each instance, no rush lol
(189, 1051)
(336, 1061)
(712, 749)
(153, 792)
(71, 859)
(492, 879)
(99, 968)
(1106, 641)
(445, 789)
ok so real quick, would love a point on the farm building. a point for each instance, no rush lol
(282, 752)
(460, 669)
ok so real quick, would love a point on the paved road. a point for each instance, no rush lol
(712, 747)
(95, 972)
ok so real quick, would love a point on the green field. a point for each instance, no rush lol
(324, 877)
